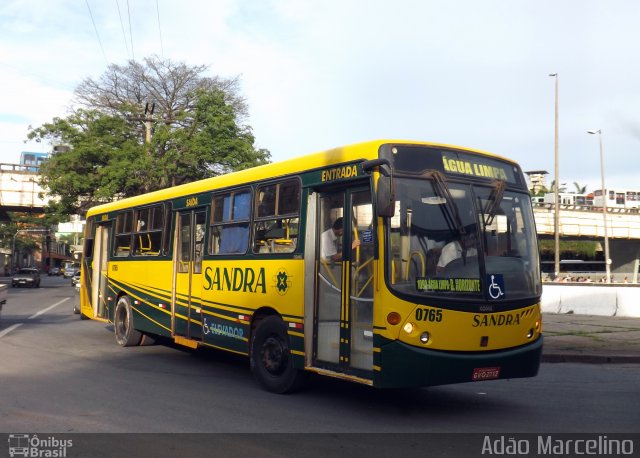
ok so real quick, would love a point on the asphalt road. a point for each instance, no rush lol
(65, 375)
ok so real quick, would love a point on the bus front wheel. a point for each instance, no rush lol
(270, 360)
(126, 335)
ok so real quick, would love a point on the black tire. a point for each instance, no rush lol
(126, 335)
(270, 357)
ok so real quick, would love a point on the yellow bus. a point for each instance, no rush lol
(388, 263)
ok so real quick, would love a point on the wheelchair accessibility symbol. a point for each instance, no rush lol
(496, 285)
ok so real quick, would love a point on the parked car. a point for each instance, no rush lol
(75, 280)
(69, 271)
(54, 271)
(26, 276)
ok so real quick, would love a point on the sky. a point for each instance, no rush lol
(317, 74)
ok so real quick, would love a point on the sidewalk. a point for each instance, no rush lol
(590, 339)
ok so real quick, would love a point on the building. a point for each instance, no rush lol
(537, 180)
(32, 160)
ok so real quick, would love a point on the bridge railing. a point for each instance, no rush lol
(586, 208)
(590, 277)
(19, 168)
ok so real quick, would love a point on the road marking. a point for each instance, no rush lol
(35, 315)
(48, 308)
(9, 329)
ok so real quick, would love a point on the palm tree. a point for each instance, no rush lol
(580, 189)
(553, 187)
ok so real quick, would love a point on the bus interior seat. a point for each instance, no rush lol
(145, 245)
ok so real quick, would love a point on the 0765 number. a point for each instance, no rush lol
(429, 315)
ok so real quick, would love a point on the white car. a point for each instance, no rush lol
(70, 271)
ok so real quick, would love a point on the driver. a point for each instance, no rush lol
(453, 250)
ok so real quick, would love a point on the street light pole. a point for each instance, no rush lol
(607, 260)
(556, 219)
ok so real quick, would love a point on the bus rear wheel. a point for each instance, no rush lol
(126, 335)
(270, 360)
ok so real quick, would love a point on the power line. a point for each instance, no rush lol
(97, 34)
(133, 56)
(124, 35)
(160, 30)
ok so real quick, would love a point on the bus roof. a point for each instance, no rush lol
(348, 153)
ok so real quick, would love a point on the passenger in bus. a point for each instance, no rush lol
(329, 249)
(453, 250)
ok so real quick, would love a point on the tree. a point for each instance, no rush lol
(580, 189)
(196, 122)
(560, 188)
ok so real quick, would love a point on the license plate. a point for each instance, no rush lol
(485, 373)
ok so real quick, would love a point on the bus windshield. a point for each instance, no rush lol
(474, 241)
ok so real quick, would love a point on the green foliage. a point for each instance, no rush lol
(553, 187)
(542, 190)
(580, 189)
(95, 169)
(569, 249)
(197, 132)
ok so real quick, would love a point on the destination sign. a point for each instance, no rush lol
(451, 162)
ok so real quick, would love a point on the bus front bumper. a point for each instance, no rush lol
(405, 366)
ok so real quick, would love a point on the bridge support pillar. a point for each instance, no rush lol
(625, 256)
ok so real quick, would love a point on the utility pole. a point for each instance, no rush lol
(556, 219)
(147, 119)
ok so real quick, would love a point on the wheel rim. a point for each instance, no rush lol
(274, 355)
(122, 323)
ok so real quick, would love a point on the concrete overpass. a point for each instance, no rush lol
(586, 222)
(19, 190)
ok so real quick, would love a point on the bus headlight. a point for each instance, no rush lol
(408, 328)
(424, 337)
(530, 334)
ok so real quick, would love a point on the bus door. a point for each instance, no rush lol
(100, 271)
(343, 320)
(188, 250)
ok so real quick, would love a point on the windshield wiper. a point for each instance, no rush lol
(451, 207)
(495, 199)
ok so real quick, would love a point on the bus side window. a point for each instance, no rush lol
(149, 225)
(230, 222)
(124, 224)
(275, 229)
(233, 239)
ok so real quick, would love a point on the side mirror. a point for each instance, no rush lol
(386, 194)
(386, 197)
